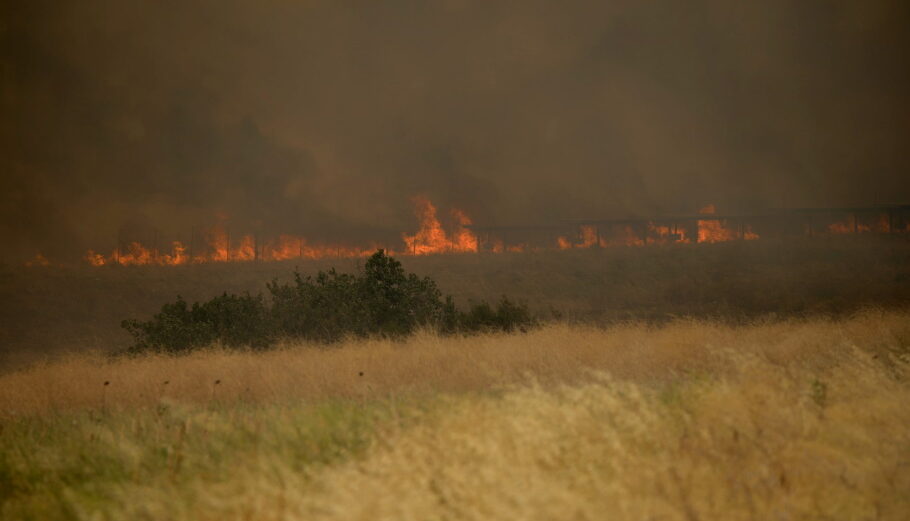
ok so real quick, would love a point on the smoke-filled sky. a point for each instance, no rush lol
(324, 118)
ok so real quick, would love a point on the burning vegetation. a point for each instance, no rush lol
(458, 234)
(432, 238)
(652, 232)
(217, 245)
(710, 227)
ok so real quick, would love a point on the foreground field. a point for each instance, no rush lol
(802, 419)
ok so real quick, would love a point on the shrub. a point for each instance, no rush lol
(322, 308)
(380, 300)
(230, 319)
(239, 320)
(507, 316)
(383, 300)
(176, 328)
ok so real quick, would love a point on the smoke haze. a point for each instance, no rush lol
(323, 118)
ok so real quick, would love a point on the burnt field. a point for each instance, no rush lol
(53, 309)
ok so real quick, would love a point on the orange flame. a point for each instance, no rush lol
(589, 236)
(38, 260)
(667, 234)
(627, 237)
(95, 259)
(499, 246)
(852, 226)
(293, 247)
(716, 231)
(712, 231)
(463, 239)
(840, 227)
(432, 238)
(287, 247)
(137, 254)
(749, 235)
(219, 246)
(708, 231)
(883, 224)
(246, 250)
(177, 256)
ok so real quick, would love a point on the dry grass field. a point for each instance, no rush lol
(689, 420)
(454, 260)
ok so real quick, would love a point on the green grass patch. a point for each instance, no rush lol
(75, 465)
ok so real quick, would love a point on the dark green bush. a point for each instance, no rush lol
(381, 300)
(507, 316)
(239, 320)
(176, 328)
(230, 319)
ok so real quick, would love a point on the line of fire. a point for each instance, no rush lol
(460, 235)
(707, 226)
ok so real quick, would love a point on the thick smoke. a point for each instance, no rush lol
(324, 118)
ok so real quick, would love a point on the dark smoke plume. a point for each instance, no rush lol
(323, 118)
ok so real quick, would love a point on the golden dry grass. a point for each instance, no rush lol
(430, 363)
(691, 421)
(758, 445)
